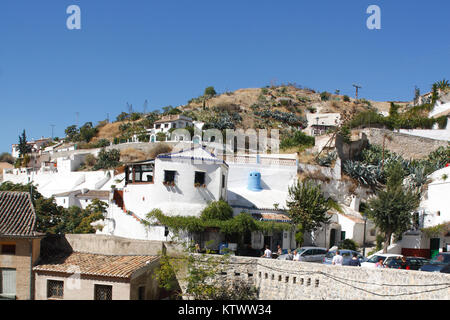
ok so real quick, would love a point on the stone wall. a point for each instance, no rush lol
(293, 280)
(99, 244)
(408, 146)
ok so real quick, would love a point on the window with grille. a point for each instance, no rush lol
(169, 176)
(55, 289)
(103, 292)
(8, 249)
(199, 178)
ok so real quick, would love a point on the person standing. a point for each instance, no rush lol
(267, 253)
(289, 256)
(296, 256)
(279, 251)
(355, 261)
(337, 259)
(404, 264)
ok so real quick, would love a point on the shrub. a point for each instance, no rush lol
(297, 139)
(346, 98)
(348, 244)
(210, 91)
(102, 143)
(325, 96)
(90, 160)
(107, 159)
(159, 148)
(217, 210)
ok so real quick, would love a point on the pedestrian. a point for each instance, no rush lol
(279, 251)
(404, 264)
(337, 259)
(267, 253)
(355, 261)
(379, 264)
(296, 256)
(289, 256)
(197, 248)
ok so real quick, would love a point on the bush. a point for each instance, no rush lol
(90, 160)
(159, 148)
(298, 139)
(102, 143)
(325, 96)
(346, 98)
(217, 210)
(6, 157)
(107, 159)
(209, 91)
(348, 244)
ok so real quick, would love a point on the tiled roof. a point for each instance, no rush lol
(117, 266)
(94, 194)
(17, 216)
(276, 217)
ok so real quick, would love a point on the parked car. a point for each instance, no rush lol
(373, 259)
(438, 263)
(412, 263)
(345, 253)
(446, 269)
(308, 254)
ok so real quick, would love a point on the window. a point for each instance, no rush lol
(223, 181)
(372, 232)
(174, 125)
(144, 173)
(141, 293)
(342, 235)
(158, 126)
(8, 283)
(102, 292)
(199, 177)
(55, 289)
(166, 125)
(8, 248)
(169, 176)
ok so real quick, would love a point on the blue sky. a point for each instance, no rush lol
(168, 51)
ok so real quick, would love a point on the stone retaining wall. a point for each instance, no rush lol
(292, 280)
(408, 146)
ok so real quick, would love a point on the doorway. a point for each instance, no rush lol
(434, 247)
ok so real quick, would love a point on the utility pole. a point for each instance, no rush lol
(145, 106)
(78, 115)
(357, 87)
(53, 127)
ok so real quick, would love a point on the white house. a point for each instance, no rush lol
(320, 123)
(434, 210)
(81, 198)
(181, 183)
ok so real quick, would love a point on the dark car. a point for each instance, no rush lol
(412, 263)
(438, 263)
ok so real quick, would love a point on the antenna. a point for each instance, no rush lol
(357, 87)
(53, 127)
(78, 115)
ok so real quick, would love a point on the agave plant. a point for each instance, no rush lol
(366, 174)
(326, 160)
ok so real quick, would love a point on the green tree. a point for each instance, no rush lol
(210, 91)
(217, 210)
(107, 159)
(23, 146)
(72, 133)
(307, 207)
(87, 132)
(391, 208)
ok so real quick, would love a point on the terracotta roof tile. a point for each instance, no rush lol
(17, 216)
(118, 266)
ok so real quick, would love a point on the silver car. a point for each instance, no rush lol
(311, 254)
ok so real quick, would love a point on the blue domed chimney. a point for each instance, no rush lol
(254, 181)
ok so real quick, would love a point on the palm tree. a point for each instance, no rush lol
(443, 84)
